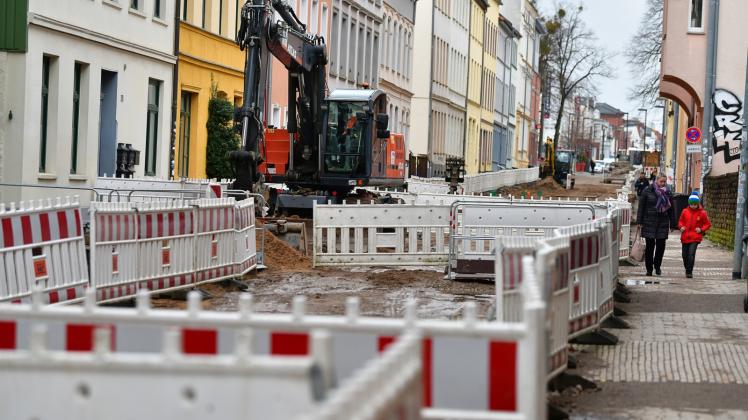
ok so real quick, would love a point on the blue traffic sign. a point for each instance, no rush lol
(693, 135)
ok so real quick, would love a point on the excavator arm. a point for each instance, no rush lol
(304, 57)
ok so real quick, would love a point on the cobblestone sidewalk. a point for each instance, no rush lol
(686, 355)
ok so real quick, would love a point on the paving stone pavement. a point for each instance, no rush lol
(686, 355)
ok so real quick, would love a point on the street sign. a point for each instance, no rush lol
(693, 135)
(693, 148)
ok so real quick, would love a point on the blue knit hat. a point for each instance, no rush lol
(694, 198)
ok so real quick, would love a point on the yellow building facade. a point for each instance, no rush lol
(207, 55)
(475, 78)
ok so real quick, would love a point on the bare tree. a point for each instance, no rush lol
(572, 58)
(644, 54)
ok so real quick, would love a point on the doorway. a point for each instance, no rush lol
(108, 124)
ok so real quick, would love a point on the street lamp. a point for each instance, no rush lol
(645, 127)
(626, 133)
(662, 138)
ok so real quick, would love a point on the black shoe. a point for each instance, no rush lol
(689, 275)
(658, 272)
(649, 274)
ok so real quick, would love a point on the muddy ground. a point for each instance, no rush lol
(586, 186)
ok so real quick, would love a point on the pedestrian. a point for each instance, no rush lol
(592, 166)
(656, 217)
(641, 184)
(693, 224)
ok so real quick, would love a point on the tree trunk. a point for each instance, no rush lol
(560, 115)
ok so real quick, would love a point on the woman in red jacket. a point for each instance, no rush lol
(693, 224)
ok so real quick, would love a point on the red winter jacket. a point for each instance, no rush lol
(692, 219)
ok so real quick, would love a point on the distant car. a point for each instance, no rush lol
(601, 165)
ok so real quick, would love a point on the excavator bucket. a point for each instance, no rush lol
(293, 233)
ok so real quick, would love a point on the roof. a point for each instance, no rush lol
(509, 27)
(356, 95)
(606, 109)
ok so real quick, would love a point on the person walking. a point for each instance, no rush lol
(641, 183)
(655, 215)
(693, 224)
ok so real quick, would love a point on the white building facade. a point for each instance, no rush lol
(506, 95)
(396, 62)
(440, 77)
(95, 74)
(355, 37)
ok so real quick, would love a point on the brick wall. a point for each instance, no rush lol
(719, 201)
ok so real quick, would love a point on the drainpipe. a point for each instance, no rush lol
(429, 142)
(174, 92)
(711, 76)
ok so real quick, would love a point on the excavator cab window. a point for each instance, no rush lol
(346, 137)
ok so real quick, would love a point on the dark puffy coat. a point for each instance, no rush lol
(655, 225)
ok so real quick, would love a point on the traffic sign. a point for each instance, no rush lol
(693, 135)
(693, 148)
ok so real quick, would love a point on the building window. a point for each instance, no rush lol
(157, 9)
(151, 135)
(696, 15)
(276, 116)
(185, 126)
(304, 12)
(237, 16)
(315, 17)
(204, 10)
(135, 4)
(46, 64)
(76, 117)
(323, 21)
(220, 17)
(334, 43)
(184, 10)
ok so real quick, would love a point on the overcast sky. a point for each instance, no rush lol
(614, 22)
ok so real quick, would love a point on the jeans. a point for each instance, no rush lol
(653, 253)
(689, 256)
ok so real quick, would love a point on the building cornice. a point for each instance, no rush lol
(395, 88)
(210, 64)
(87, 34)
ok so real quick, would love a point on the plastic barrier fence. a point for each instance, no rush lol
(471, 365)
(475, 224)
(154, 189)
(386, 234)
(168, 246)
(551, 258)
(42, 245)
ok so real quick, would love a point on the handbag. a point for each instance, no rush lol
(637, 247)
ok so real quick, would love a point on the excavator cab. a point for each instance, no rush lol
(354, 139)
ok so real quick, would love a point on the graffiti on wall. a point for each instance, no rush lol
(727, 128)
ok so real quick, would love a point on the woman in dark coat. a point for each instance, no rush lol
(656, 217)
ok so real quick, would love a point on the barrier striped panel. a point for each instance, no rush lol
(584, 257)
(245, 237)
(215, 240)
(115, 253)
(42, 246)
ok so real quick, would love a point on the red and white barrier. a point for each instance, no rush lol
(42, 246)
(469, 366)
(245, 233)
(168, 246)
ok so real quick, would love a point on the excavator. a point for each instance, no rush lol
(335, 143)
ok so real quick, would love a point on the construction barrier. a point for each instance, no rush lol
(380, 234)
(154, 189)
(468, 366)
(42, 246)
(169, 246)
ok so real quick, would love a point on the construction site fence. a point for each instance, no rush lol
(138, 245)
(115, 362)
(474, 184)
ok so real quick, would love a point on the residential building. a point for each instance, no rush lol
(439, 84)
(208, 59)
(473, 129)
(505, 99)
(396, 63)
(488, 85)
(616, 118)
(353, 52)
(683, 76)
(81, 78)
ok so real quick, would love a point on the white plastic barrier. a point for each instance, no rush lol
(492, 181)
(475, 224)
(166, 246)
(584, 242)
(43, 246)
(380, 234)
(625, 238)
(155, 189)
(245, 234)
(551, 259)
(387, 387)
(469, 365)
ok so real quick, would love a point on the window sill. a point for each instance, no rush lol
(46, 177)
(159, 21)
(696, 31)
(138, 13)
(78, 178)
(112, 3)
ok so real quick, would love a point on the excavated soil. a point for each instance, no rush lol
(547, 187)
(281, 256)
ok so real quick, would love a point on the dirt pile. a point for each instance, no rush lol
(282, 256)
(547, 187)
